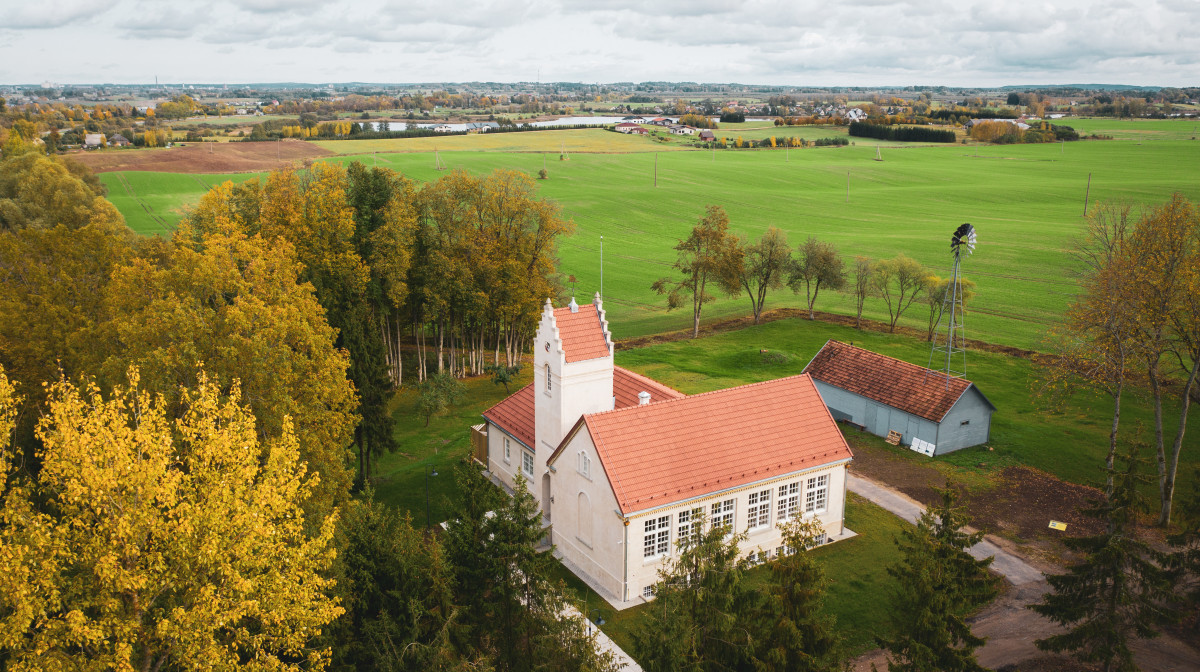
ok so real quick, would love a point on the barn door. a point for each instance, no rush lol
(914, 426)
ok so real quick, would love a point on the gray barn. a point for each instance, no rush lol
(882, 394)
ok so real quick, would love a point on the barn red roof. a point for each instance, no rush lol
(515, 414)
(691, 446)
(908, 387)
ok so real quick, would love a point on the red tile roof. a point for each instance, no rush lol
(627, 385)
(908, 387)
(692, 446)
(515, 414)
(582, 334)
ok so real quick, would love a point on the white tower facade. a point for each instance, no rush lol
(573, 374)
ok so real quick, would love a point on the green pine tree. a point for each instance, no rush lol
(937, 583)
(1185, 560)
(512, 609)
(797, 634)
(1121, 589)
(396, 586)
(702, 610)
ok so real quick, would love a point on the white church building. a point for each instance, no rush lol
(621, 464)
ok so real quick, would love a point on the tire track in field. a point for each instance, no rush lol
(154, 216)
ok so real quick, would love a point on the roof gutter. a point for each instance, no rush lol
(715, 493)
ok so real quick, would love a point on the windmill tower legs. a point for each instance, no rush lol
(949, 350)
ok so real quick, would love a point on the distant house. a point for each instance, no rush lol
(93, 140)
(679, 129)
(707, 136)
(481, 126)
(855, 114)
(661, 121)
(973, 122)
(634, 120)
(883, 394)
(626, 127)
(118, 140)
(442, 128)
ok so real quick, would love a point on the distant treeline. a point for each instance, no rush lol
(952, 115)
(901, 133)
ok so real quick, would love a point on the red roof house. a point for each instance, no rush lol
(622, 465)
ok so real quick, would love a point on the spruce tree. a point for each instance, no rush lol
(1185, 560)
(937, 582)
(797, 634)
(513, 609)
(702, 611)
(1118, 592)
(396, 586)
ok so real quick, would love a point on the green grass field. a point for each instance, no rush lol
(1025, 200)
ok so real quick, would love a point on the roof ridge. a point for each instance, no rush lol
(694, 396)
(894, 359)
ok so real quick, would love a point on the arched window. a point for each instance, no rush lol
(584, 511)
(547, 377)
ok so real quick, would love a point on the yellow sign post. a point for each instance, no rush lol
(1055, 525)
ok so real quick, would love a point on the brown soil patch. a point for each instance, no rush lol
(735, 323)
(1015, 503)
(208, 157)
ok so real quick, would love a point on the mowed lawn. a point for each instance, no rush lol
(1026, 202)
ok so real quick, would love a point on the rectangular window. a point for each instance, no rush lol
(722, 515)
(759, 512)
(789, 501)
(815, 492)
(527, 463)
(648, 592)
(507, 450)
(818, 540)
(658, 537)
(688, 527)
(585, 465)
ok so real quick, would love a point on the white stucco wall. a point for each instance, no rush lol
(600, 555)
(504, 470)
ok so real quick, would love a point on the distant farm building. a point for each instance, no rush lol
(442, 128)
(707, 136)
(118, 140)
(630, 128)
(680, 129)
(93, 140)
(882, 394)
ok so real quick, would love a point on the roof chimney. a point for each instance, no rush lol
(643, 398)
(573, 306)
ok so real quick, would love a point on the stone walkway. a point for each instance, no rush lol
(1010, 566)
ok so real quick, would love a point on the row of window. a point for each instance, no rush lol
(755, 557)
(656, 541)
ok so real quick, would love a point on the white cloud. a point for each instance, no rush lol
(953, 42)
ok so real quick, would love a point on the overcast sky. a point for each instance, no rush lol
(797, 42)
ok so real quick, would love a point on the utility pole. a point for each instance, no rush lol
(601, 268)
(847, 186)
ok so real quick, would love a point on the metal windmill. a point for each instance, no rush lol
(950, 340)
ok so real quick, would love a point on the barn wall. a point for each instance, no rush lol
(972, 409)
(878, 418)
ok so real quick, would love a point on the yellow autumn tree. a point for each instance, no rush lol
(157, 543)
